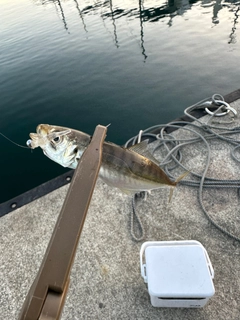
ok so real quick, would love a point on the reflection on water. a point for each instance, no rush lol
(132, 63)
(141, 16)
(145, 12)
(233, 36)
(81, 15)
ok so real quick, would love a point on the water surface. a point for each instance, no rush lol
(133, 64)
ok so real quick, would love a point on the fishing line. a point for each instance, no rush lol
(203, 133)
(19, 145)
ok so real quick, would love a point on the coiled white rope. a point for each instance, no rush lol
(202, 132)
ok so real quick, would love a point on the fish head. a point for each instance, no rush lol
(58, 143)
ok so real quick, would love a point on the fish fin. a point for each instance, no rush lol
(181, 177)
(147, 193)
(142, 149)
(176, 182)
(144, 194)
(126, 191)
(170, 194)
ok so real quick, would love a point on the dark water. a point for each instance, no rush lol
(129, 63)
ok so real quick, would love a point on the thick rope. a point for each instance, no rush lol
(203, 132)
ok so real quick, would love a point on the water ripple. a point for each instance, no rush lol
(129, 63)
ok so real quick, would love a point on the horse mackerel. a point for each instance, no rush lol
(131, 169)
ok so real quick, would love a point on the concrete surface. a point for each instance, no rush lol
(105, 279)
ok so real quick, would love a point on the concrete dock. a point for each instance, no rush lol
(105, 280)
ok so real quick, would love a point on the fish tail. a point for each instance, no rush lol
(175, 183)
(181, 177)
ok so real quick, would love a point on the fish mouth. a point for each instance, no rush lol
(35, 141)
(44, 133)
(39, 139)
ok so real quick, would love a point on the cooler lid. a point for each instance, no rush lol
(178, 270)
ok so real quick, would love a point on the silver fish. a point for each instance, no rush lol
(131, 169)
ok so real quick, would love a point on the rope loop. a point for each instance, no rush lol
(218, 100)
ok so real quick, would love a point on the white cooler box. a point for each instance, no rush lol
(178, 273)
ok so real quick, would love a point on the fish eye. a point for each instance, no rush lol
(56, 139)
